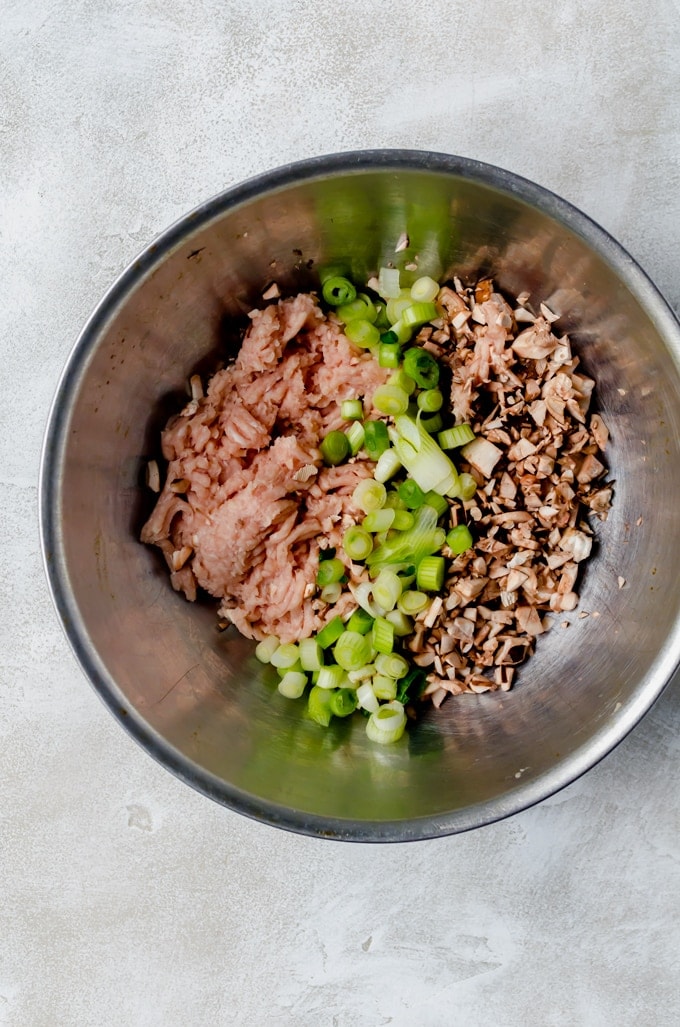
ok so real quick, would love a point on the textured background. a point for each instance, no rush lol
(125, 898)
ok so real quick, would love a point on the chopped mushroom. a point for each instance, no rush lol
(538, 475)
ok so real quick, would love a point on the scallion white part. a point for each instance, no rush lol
(386, 725)
(387, 466)
(265, 649)
(292, 684)
(388, 283)
(366, 697)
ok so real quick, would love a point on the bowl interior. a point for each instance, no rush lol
(197, 698)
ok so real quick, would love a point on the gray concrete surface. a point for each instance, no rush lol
(125, 898)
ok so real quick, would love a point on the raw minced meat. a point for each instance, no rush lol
(246, 498)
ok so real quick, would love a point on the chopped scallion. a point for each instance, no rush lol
(401, 622)
(319, 705)
(343, 702)
(329, 572)
(366, 697)
(265, 649)
(452, 438)
(382, 635)
(387, 588)
(389, 354)
(403, 520)
(411, 493)
(390, 399)
(386, 725)
(360, 309)
(430, 573)
(330, 677)
(387, 466)
(388, 282)
(412, 603)
(351, 410)
(376, 439)
(360, 621)
(362, 334)
(379, 520)
(337, 290)
(357, 543)
(292, 684)
(425, 290)
(334, 448)
(391, 665)
(369, 495)
(331, 632)
(402, 381)
(430, 401)
(331, 593)
(459, 539)
(355, 436)
(352, 650)
(285, 656)
(384, 688)
(311, 654)
(437, 502)
(420, 365)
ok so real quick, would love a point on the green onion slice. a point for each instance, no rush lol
(334, 448)
(420, 365)
(337, 290)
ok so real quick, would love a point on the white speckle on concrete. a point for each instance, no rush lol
(126, 897)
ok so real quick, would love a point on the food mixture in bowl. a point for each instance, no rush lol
(392, 491)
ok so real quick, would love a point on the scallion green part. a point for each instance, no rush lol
(352, 650)
(452, 438)
(363, 334)
(420, 365)
(343, 702)
(351, 410)
(417, 314)
(331, 632)
(459, 539)
(360, 309)
(379, 520)
(337, 290)
(389, 338)
(437, 502)
(411, 494)
(389, 354)
(382, 635)
(319, 705)
(390, 399)
(360, 621)
(334, 448)
(329, 572)
(433, 423)
(357, 543)
(430, 401)
(430, 573)
(376, 439)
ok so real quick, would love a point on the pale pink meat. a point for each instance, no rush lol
(233, 495)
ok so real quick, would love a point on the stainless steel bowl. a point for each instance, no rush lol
(196, 699)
